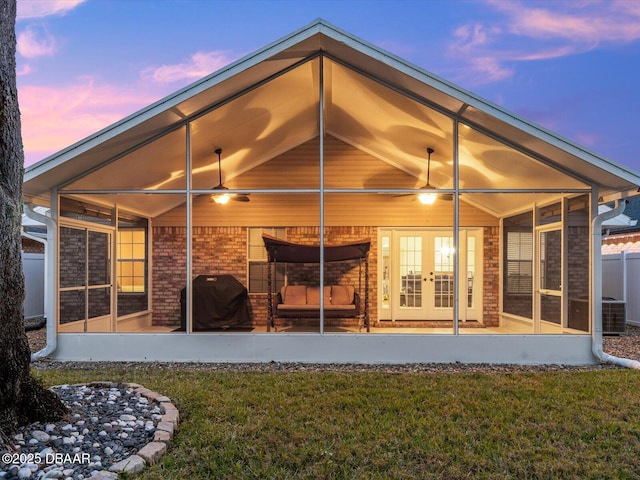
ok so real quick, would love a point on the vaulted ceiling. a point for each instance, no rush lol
(277, 99)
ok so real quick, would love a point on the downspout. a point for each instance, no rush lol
(49, 306)
(596, 336)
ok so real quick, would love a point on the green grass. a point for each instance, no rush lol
(372, 425)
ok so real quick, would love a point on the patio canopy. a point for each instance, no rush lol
(283, 251)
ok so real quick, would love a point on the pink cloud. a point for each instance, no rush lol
(586, 23)
(588, 139)
(34, 42)
(44, 8)
(526, 33)
(54, 118)
(23, 70)
(199, 65)
(489, 69)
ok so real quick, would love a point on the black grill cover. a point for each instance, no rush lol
(219, 301)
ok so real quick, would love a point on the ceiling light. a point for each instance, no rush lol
(427, 198)
(220, 198)
(224, 197)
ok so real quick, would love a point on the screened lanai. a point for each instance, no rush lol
(479, 222)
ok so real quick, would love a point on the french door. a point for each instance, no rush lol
(418, 275)
(86, 288)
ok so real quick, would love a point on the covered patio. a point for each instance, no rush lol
(482, 228)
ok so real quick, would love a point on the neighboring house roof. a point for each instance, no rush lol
(619, 222)
(623, 236)
(632, 212)
(33, 226)
(374, 101)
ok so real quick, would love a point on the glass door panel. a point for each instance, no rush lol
(73, 253)
(411, 271)
(99, 245)
(471, 272)
(550, 276)
(442, 274)
(550, 308)
(385, 242)
(551, 260)
(72, 311)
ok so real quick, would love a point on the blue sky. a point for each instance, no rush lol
(572, 66)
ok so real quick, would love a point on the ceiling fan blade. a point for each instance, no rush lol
(241, 197)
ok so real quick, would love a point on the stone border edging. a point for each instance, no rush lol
(152, 451)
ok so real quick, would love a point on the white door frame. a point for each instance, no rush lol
(541, 325)
(389, 291)
(104, 323)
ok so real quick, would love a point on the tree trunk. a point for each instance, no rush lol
(22, 399)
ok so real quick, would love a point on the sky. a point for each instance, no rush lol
(572, 66)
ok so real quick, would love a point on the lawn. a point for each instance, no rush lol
(375, 425)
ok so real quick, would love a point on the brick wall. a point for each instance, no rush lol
(169, 253)
(578, 261)
(491, 277)
(223, 250)
(31, 246)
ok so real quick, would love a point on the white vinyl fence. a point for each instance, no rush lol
(33, 266)
(621, 281)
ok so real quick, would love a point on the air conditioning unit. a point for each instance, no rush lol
(613, 317)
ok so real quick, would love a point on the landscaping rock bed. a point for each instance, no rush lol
(112, 428)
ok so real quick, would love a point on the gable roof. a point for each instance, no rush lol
(277, 89)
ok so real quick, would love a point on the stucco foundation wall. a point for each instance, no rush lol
(327, 348)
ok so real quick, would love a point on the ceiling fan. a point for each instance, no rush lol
(428, 193)
(223, 197)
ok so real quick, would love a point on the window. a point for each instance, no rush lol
(132, 260)
(517, 265)
(258, 266)
(519, 262)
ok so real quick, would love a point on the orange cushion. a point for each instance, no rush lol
(294, 294)
(313, 295)
(342, 295)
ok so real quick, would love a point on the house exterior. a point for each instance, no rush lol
(480, 227)
(621, 262)
(624, 236)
